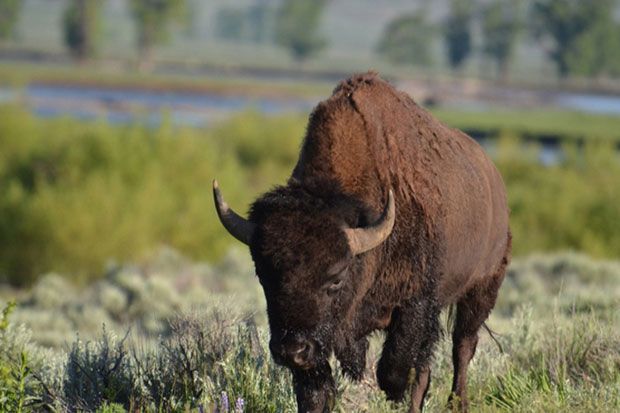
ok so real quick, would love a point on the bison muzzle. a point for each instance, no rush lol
(388, 217)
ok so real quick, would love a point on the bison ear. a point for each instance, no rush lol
(238, 227)
(368, 237)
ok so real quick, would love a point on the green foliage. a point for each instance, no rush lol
(97, 373)
(205, 356)
(77, 195)
(297, 27)
(580, 37)
(572, 205)
(153, 19)
(407, 40)
(6, 312)
(14, 368)
(111, 408)
(81, 27)
(457, 32)
(9, 13)
(501, 22)
(143, 297)
(557, 365)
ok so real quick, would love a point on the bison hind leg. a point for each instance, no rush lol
(471, 312)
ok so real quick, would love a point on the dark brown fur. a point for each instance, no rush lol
(450, 243)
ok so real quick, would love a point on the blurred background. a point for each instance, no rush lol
(115, 115)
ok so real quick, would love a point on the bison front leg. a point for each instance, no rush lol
(315, 390)
(352, 358)
(411, 337)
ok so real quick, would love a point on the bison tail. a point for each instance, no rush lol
(493, 334)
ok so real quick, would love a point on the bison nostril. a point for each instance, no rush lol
(300, 349)
(301, 353)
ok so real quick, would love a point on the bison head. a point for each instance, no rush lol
(311, 257)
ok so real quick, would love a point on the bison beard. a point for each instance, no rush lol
(388, 217)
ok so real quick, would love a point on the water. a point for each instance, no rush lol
(198, 109)
(599, 104)
(129, 105)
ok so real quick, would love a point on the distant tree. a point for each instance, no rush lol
(501, 22)
(596, 52)
(9, 12)
(229, 23)
(580, 37)
(297, 27)
(260, 19)
(153, 19)
(457, 32)
(81, 27)
(407, 40)
(251, 24)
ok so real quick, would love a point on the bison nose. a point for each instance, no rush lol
(301, 353)
(294, 352)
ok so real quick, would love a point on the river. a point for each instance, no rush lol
(199, 109)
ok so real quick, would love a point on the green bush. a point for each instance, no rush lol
(572, 205)
(206, 358)
(142, 297)
(76, 196)
(15, 371)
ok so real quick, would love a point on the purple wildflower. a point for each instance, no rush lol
(224, 402)
(239, 405)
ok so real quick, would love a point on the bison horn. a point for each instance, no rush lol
(364, 239)
(239, 227)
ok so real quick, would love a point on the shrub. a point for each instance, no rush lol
(16, 388)
(206, 358)
(559, 352)
(78, 195)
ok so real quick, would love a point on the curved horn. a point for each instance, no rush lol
(364, 239)
(239, 227)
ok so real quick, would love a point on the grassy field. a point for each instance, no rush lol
(120, 76)
(565, 125)
(171, 333)
(183, 336)
(121, 292)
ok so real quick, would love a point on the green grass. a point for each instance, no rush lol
(566, 125)
(124, 76)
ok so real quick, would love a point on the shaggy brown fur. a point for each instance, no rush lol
(450, 244)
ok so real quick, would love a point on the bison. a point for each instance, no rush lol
(388, 217)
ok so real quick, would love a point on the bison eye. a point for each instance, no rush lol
(335, 285)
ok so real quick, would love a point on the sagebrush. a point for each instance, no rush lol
(556, 321)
